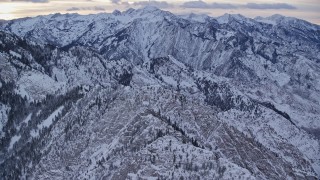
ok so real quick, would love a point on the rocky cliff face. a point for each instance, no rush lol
(145, 93)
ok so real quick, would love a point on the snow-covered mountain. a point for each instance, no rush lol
(148, 94)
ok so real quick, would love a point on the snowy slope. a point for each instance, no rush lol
(148, 94)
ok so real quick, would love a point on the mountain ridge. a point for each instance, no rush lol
(204, 86)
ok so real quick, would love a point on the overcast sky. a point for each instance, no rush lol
(304, 9)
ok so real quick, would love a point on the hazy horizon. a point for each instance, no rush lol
(306, 10)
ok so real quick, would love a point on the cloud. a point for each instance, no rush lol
(269, 6)
(96, 8)
(74, 9)
(34, 1)
(204, 5)
(159, 4)
(116, 1)
(195, 4)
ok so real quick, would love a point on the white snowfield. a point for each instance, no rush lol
(47, 122)
(14, 139)
(36, 85)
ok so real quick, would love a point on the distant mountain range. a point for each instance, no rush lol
(147, 94)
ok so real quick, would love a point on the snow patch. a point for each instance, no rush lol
(49, 120)
(59, 75)
(35, 85)
(281, 78)
(178, 63)
(17, 55)
(146, 103)
(34, 133)
(169, 80)
(28, 118)
(14, 139)
(3, 116)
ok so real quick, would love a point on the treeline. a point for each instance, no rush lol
(30, 149)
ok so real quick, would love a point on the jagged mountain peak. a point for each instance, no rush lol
(148, 12)
(281, 19)
(274, 19)
(197, 17)
(278, 19)
(227, 18)
(116, 12)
